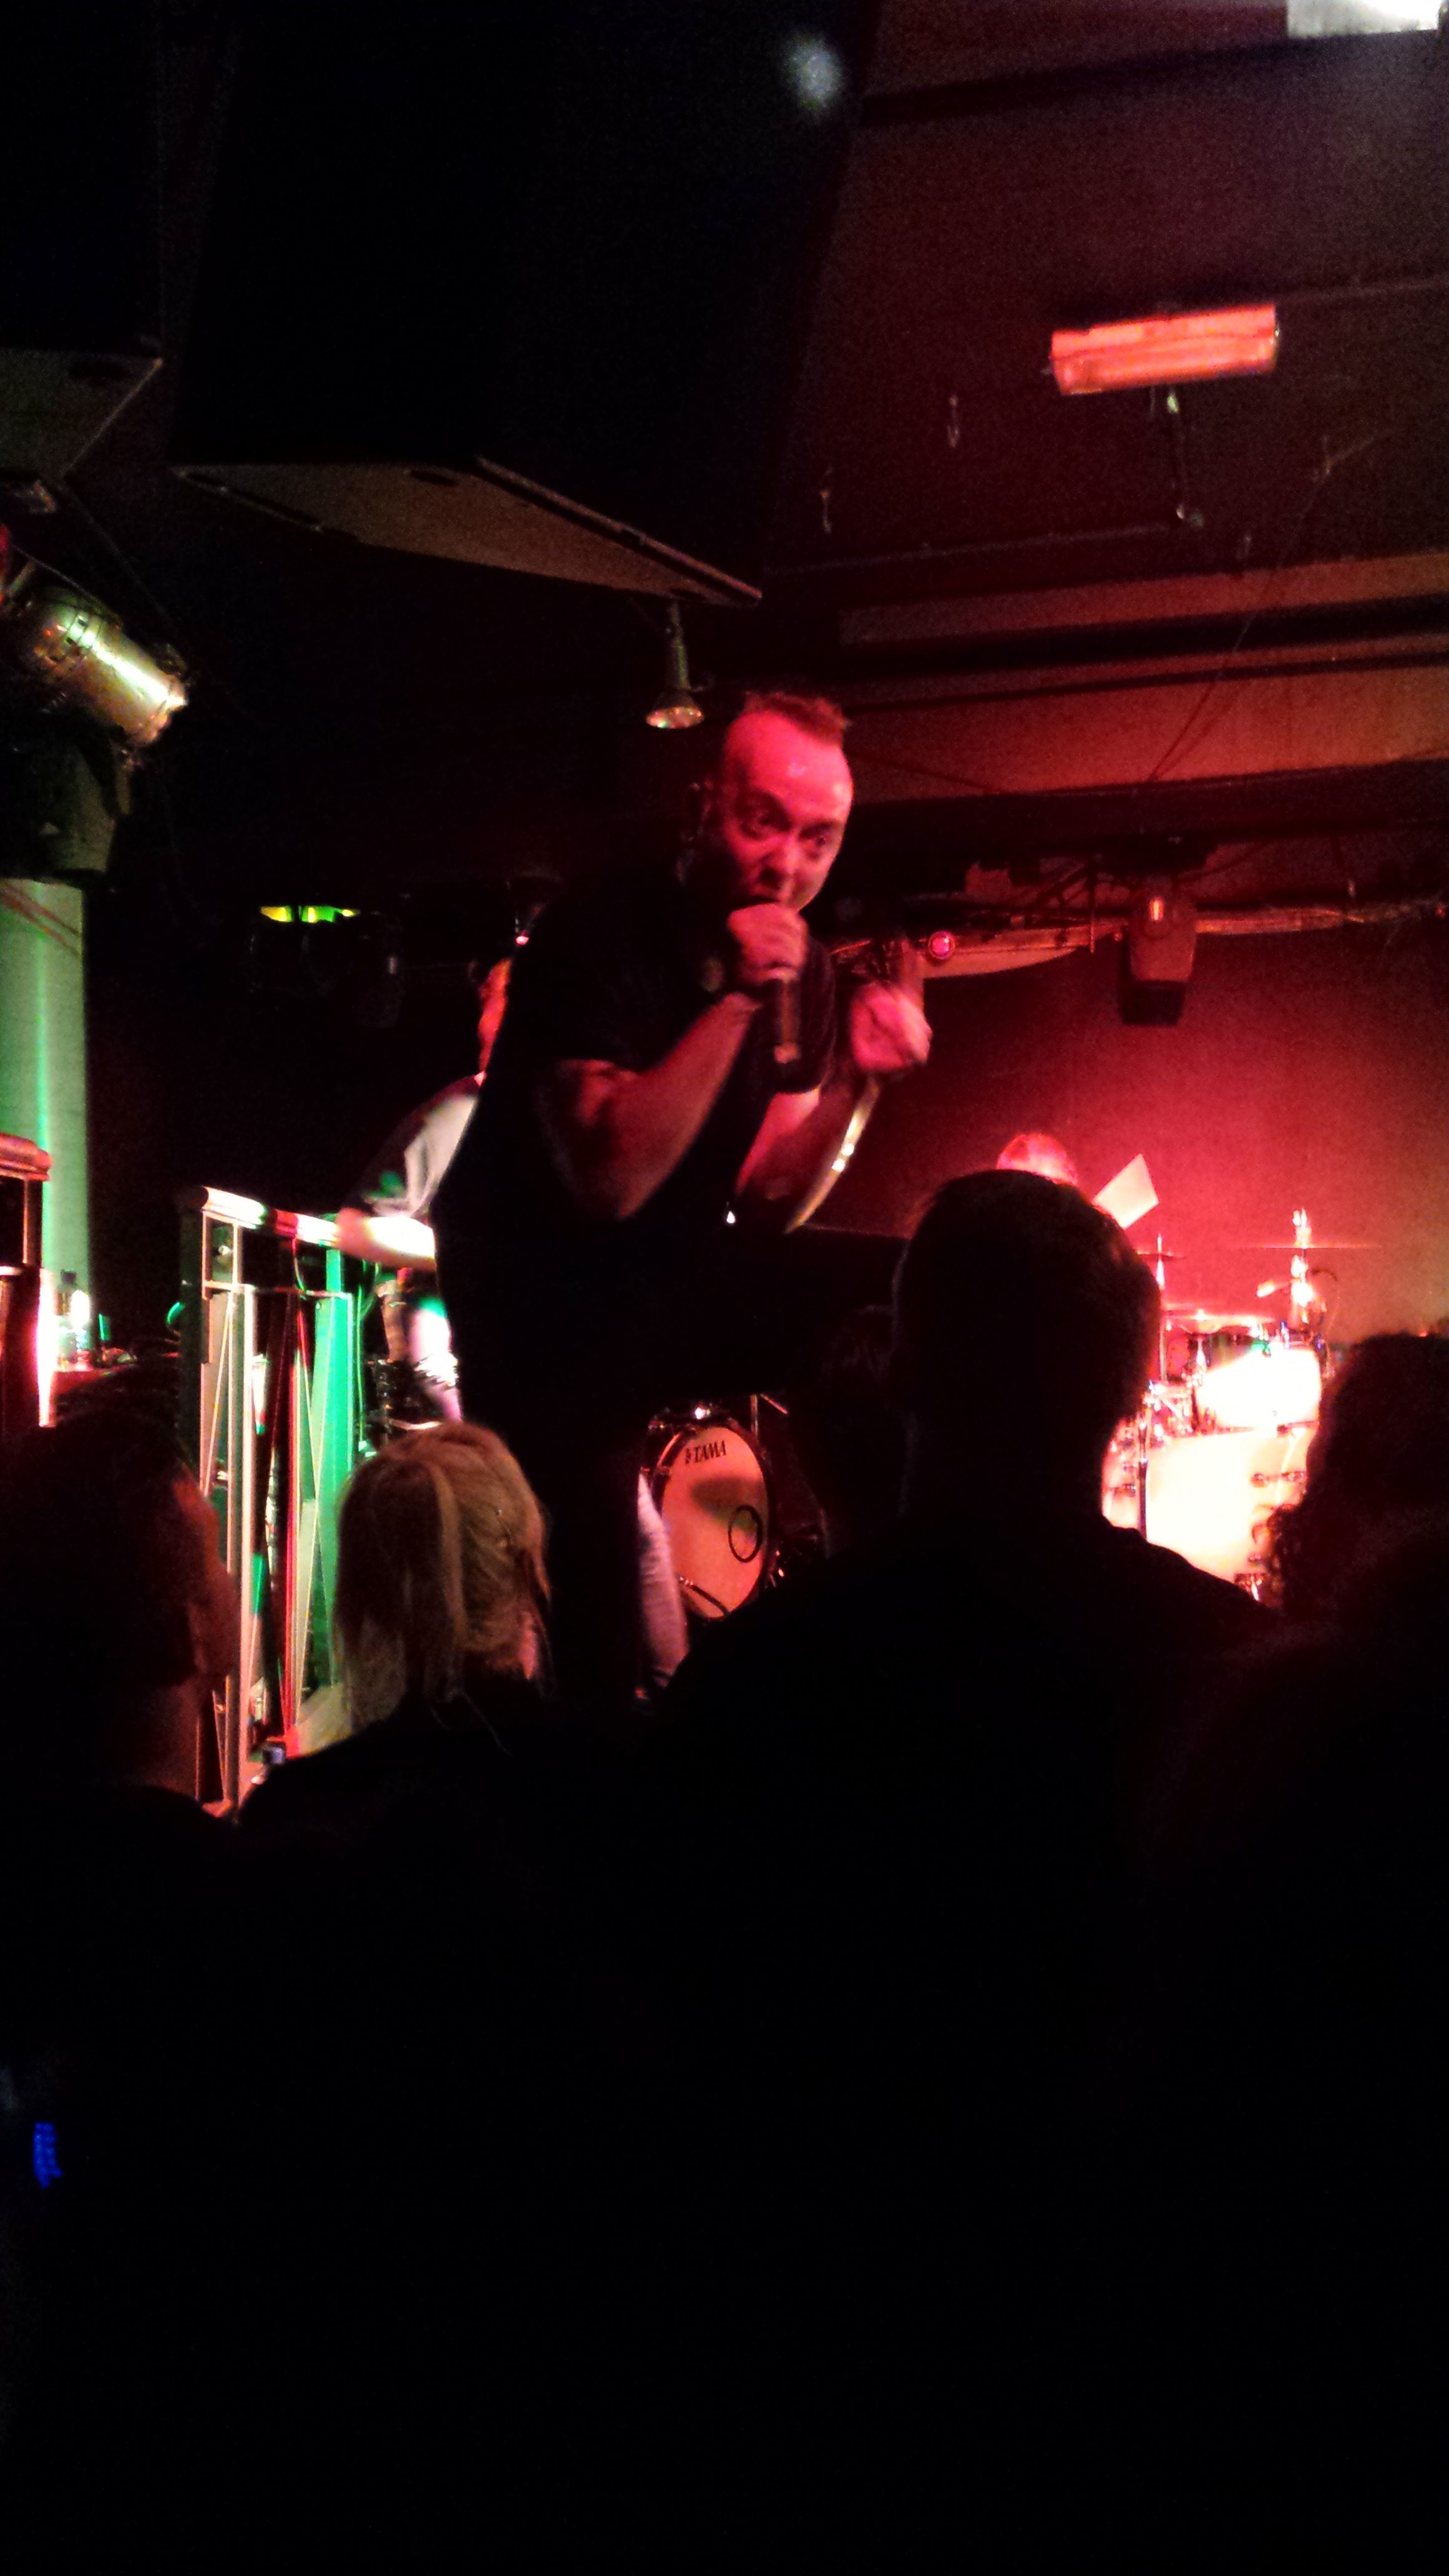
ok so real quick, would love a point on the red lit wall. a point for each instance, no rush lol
(1308, 1070)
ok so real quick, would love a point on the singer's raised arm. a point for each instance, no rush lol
(792, 1164)
(802, 1147)
(614, 1136)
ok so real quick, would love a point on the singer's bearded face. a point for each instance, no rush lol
(772, 815)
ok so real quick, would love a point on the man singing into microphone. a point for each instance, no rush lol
(670, 1060)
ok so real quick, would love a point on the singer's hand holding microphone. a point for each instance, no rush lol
(770, 947)
(887, 1032)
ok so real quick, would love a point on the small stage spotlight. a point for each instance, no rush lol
(676, 708)
(83, 657)
(79, 703)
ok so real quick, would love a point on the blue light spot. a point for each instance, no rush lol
(45, 2162)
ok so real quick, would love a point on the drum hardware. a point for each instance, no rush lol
(1222, 1438)
(759, 1405)
(1210, 1319)
(403, 1399)
(1160, 1259)
(1306, 1306)
(1144, 1452)
(1171, 1410)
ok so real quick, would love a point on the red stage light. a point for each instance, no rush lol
(941, 947)
(1167, 349)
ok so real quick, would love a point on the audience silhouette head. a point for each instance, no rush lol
(1025, 1326)
(117, 1607)
(1381, 1451)
(848, 1431)
(440, 1571)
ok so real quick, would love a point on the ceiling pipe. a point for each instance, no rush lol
(975, 948)
(978, 546)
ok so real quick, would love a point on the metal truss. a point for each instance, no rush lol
(270, 1352)
(24, 1170)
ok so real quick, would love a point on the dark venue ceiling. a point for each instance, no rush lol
(981, 214)
(363, 720)
(969, 537)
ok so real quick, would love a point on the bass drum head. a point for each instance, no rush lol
(710, 1490)
(1209, 1496)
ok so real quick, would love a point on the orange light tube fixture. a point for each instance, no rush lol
(1167, 349)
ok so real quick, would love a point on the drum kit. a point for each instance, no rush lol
(1220, 1443)
(1223, 1435)
(714, 1485)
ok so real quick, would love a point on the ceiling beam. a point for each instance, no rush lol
(1374, 581)
(928, 843)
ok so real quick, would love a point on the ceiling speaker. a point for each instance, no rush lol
(525, 285)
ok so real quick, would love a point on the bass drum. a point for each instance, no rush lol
(1209, 1496)
(711, 1492)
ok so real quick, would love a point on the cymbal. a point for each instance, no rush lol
(1203, 1319)
(1319, 1244)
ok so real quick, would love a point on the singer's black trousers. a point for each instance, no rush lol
(576, 1414)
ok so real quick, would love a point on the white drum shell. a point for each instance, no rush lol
(709, 1486)
(1209, 1497)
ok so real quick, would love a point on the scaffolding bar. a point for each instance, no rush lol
(270, 1355)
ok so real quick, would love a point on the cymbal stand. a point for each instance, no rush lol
(1144, 1452)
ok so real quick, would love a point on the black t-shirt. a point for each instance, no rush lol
(615, 972)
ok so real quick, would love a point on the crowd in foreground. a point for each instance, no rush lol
(958, 2087)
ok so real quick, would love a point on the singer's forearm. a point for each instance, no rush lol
(616, 1136)
(793, 1165)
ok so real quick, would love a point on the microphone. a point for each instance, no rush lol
(783, 1004)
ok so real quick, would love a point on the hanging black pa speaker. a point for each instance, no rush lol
(80, 271)
(525, 284)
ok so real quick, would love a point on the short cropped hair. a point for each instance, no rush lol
(439, 1566)
(819, 716)
(1021, 1310)
(99, 1565)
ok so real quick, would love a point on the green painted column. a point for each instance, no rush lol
(43, 1053)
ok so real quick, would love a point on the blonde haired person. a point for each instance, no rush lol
(440, 1615)
(446, 2103)
(440, 1573)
